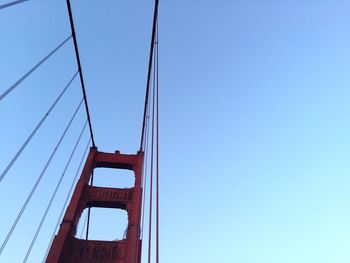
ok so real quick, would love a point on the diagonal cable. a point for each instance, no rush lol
(53, 195)
(12, 3)
(66, 201)
(3, 174)
(38, 180)
(14, 85)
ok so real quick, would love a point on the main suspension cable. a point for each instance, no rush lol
(66, 201)
(38, 180)
(14, 159)
(14, 85)
(71, 21)
(155, 18)
(54, 194)
(12, 3)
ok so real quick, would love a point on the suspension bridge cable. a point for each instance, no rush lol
(151, 174)
(155, 18)
(66, 201)
(14, 85)
(144, 169)
(144, 185)
(71, 21)
(54, 194)
(157, 149)
(14, 159)
(144, 179)
(89, 209)
(144, 174)
(12, 4)
(83, 228)
(145, 166)
(38, 180)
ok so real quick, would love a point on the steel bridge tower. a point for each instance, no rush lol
(68, 249)
(65, 247)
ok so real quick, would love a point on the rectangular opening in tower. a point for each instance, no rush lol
(106, 224)
(115, 178)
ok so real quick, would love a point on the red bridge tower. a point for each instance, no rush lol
(68, 249)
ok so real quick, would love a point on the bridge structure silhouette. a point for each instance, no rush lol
(69, 240)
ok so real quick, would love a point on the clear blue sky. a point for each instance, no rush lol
(254, 104)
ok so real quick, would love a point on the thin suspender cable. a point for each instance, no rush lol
(84, 225)
(3, 174)
(71, 21)
(66, 201)
(144, 167)
(155, 17)
(89, 209)
(144, 180)
(144, 173)
(38, 181)
(54, 194)
(12, 3)
(157, 151)
(151, 178)
(14, 85)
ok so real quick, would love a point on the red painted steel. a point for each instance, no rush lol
(68, 249)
